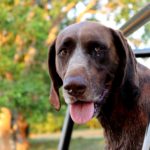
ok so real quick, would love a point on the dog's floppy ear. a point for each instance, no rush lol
(56, 81)
(127, 61)
(126, 77)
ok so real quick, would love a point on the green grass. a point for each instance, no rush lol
(87, 144)
(76, 144)
(43, 145)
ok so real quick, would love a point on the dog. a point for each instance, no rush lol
(101, 77)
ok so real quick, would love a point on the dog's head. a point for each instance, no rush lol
(86, 59)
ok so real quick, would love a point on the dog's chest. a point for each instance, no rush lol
(124, 132)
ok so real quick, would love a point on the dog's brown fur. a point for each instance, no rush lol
(124, 109)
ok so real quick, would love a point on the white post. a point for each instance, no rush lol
(146, 143)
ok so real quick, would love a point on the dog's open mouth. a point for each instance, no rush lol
(81, 112)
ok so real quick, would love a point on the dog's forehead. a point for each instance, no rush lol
(85, 31)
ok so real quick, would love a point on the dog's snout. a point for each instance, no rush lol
(75, 86)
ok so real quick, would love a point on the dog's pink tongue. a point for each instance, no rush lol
(81, 112)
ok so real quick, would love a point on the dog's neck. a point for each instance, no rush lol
(123, 120)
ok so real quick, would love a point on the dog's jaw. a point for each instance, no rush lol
(99, 102)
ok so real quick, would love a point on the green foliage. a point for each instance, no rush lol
(24, 86)
(94, 123)
(50, 124)
(147, 33)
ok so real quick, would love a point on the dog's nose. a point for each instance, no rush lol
(75, 86)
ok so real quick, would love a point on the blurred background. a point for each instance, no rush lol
(27, 29)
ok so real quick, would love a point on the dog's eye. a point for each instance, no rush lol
(99, 50)
(96, 48)
(63, 52)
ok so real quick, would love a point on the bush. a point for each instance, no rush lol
(94, 123)
(50, 124)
